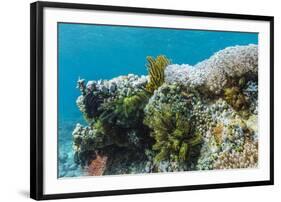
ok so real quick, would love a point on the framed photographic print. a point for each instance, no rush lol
(131, 100)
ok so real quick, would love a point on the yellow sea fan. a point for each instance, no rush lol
(156, 67)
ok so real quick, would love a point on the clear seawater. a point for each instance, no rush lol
(97, 52)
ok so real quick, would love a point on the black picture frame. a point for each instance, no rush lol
(37, 99)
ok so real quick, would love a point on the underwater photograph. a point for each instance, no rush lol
(140, 100)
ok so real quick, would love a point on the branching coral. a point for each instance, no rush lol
(248, 158)
(213, 74)
(156, 68)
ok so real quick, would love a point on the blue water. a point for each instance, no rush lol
(103, 52)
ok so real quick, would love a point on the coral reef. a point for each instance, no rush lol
(178, 118)
(229, 134)
(114, 111)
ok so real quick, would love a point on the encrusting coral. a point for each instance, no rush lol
(178, 118)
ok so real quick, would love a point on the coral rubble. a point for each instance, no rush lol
(178, 118)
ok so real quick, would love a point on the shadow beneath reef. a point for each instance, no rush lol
(24, 193)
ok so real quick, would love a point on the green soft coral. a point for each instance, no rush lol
(156, 67)
(125, 111)
(134, 103)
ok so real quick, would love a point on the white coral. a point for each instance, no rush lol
(118, 83)
(213, 73)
